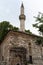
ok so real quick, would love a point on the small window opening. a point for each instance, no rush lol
(30, 59)
(17, 64)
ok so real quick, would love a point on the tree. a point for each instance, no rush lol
(5, 26)
(16, 29)
(39, 23)
(39, 42)
(28, 31)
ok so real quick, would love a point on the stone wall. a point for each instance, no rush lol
(18, 39)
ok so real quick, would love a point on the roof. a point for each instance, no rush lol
(25, 33)
(33, 35)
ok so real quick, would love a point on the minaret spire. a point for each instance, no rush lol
(22, 9)
(22, 18)
(22, 5)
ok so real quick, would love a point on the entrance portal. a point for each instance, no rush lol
(18, 56)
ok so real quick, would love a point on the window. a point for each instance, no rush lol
(30, 59)
(30, 53)
(17, 64)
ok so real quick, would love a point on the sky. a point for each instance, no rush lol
(10, 11)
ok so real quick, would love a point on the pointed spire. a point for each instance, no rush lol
(22, 5)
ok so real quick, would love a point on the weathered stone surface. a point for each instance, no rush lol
(20, 39)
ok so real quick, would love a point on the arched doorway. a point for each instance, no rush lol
(18, 56)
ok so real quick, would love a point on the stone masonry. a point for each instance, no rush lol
(21, 40)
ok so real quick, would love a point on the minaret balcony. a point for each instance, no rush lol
(22, 16)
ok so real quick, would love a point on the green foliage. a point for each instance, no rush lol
(3, 29)
(39, 41)
(39, 22)
(28, 31)
(5, 26)
(41, 28)
(16, 29)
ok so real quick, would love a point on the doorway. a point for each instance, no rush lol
(18, 56)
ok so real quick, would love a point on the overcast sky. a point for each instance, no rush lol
(10, 11)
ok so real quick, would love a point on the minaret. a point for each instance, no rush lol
(22, 18)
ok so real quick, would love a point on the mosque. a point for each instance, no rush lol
(19, 48)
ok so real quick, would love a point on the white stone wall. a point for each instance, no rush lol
(22, 25)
